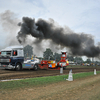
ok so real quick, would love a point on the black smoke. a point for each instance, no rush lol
(79, 44)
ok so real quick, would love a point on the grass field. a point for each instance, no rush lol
(40, 81)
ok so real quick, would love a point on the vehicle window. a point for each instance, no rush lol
(63, 55)
(6, 53)
(15, 53)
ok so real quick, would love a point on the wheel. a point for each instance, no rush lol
(35, 67)
(18, 67)
(64, 68)
(6, 69)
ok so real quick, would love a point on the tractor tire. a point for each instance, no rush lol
(35, 67)
(18, 67)
(64, 68)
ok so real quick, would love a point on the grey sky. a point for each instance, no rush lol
(78, 15)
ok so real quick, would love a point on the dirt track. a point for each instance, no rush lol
(11, 74)
(79, 89)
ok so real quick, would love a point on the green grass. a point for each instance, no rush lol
(83, 75)
(40, 81)
(31, 82)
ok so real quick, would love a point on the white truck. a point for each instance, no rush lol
(13, 58)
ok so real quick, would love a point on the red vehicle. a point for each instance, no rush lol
(51, 64)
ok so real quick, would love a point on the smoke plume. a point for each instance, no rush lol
(9, 23)
(79, 44)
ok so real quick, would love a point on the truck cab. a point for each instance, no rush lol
(12, 57)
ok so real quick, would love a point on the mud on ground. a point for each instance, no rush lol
(11, 74)
(79, 89)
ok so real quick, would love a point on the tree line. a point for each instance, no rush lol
(49, 55)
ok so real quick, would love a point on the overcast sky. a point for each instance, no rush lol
(78, 15)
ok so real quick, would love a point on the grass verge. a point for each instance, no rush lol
(40, 81)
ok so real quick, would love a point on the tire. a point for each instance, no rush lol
(6, 69)
(64, 68)
(35, 67)
(18, 67)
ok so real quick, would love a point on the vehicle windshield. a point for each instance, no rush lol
(5, 53)
(63, 55)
